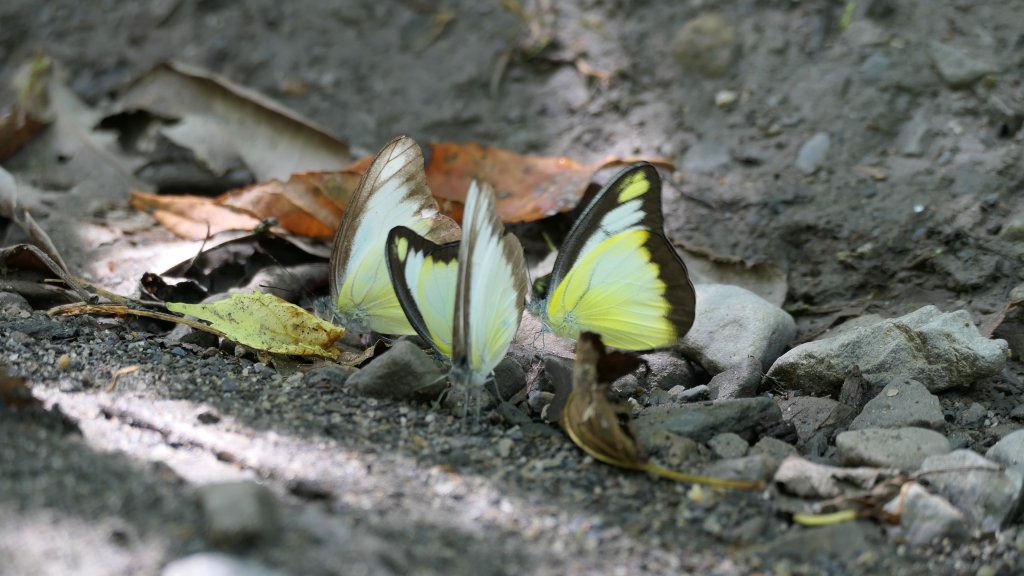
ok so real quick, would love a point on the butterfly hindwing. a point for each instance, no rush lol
(393, 192)
(617, 274)
(424, 275)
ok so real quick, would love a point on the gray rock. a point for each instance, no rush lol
(739, 381)
(901, 404)
(327, 377)
(707, 45)
(666, 371)
(773, 448)
(988, 494)
(837, 545)
(973, 416)
(926, 518)
(403, 372)
(902, 448)
(700, 422)
(215, 564)
(811, 415)
(1009, 451)
(728, 445)
(674, 451)
(733, 323)
(957, 68)
(509, 379)
(238, 512)
(913, 137)
(807, 479)
(706, 157)
(875, 67)
(753, 468)
(695, 394)
(813, 153)
(13, 304)
(941, 350)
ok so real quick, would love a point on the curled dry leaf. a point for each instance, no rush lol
(265, 322)
(604, 429)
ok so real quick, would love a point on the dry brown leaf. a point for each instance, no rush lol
(603, 428)
(224, 124)
(192, 217)
(528, 187)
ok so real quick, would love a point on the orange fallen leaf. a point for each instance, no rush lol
(191, 217)
(311, 204)
(528, 187)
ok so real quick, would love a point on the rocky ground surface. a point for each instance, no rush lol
(870, 149)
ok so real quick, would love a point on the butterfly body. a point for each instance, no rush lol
(617, 274)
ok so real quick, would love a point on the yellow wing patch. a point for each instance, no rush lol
(435, 298)
(635, 185)
(615, 290)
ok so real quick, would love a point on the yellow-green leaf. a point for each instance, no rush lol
(265, 322)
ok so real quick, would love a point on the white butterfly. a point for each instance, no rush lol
(464, 298)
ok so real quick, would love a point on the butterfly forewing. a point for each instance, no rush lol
(617, 275)
(631, 200)
(393, 192)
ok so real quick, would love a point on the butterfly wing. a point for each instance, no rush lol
(617, 275)
(491, 290)
(631, 200)
(632, 289)
(393, 192)
(424, 275)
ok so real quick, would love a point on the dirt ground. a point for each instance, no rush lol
(915, 199)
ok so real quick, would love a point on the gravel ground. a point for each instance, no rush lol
(877, 161)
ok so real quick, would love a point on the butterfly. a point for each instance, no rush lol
(392, 192)
(465, 298)
(616, 273)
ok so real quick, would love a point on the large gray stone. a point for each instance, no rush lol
(1009, 451)
(810, 415)
(926, 517)
(733, 323)
(899, 405)
(988, 494)
(403, 372)
(744, 416)
(941, 350)
(957, 68)
(903, 448)
(666, 371)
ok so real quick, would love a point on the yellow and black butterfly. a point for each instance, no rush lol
(393, 192)
(616, 273)
(464, 298)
